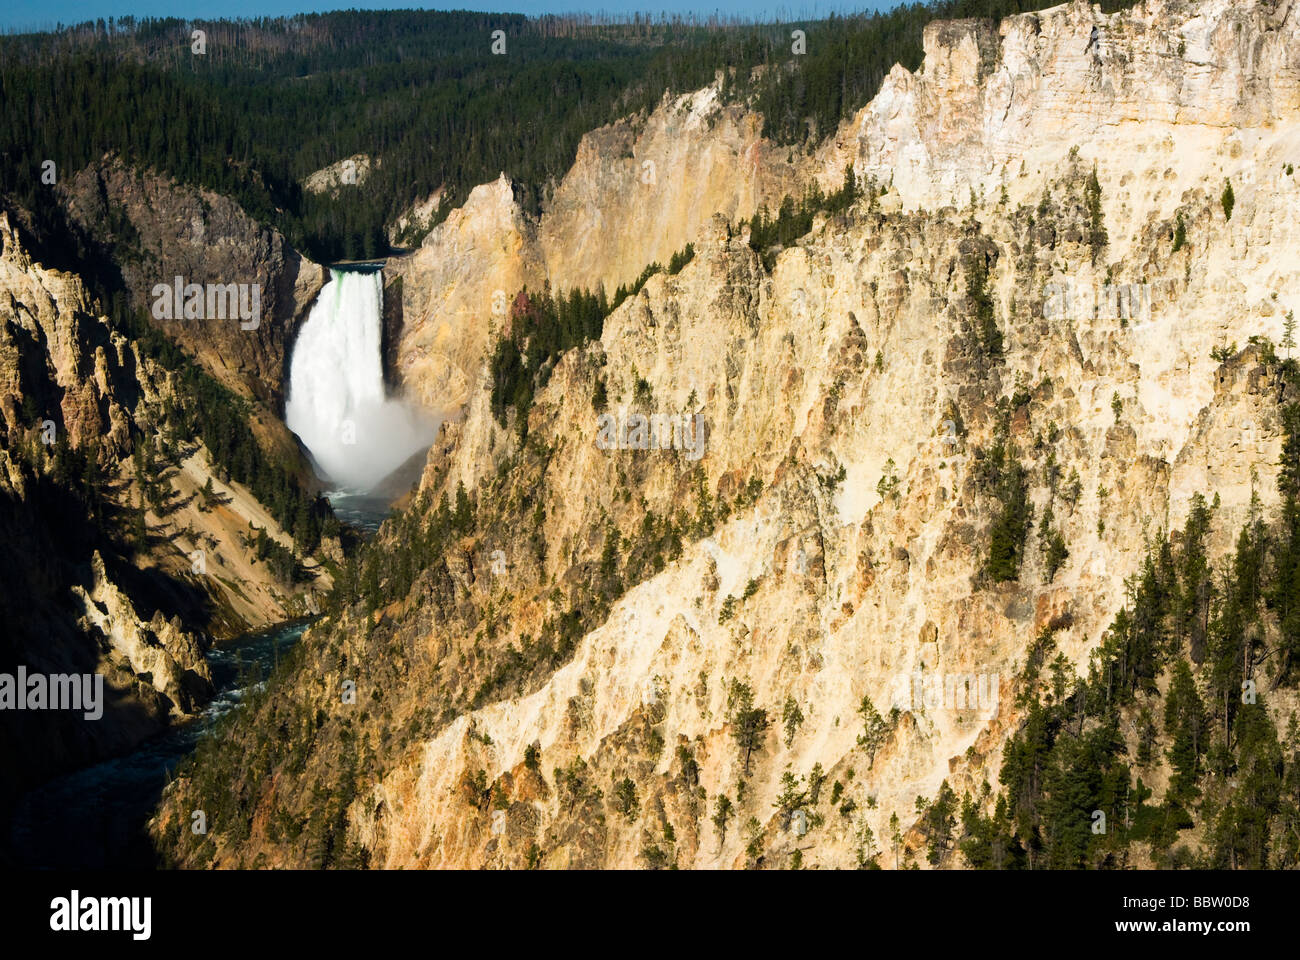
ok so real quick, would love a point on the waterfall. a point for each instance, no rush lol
(337, 403)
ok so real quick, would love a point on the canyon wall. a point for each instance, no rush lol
(1167, 101)
(831, 543)
(639, 190)
(155, 230)
(78, 596)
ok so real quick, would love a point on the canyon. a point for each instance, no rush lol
(740, 638)
(835, 539)
(76, 600)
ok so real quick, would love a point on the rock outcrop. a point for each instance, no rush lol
(84, 590)
(161, 649)
(638, 192)
(351, 171)
(1162, 96)
(156, 230)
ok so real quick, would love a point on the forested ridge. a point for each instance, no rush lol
(272, 100)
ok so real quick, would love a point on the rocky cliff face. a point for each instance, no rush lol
(69, 380)
(1170, 93)
(78, 596)
(157, 230)
(638, 192)
(56, 354)
(851, 591)
(453, 293)
(994, 107)
(831, 541)
(351, 171)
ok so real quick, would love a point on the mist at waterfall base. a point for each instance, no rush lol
(338, 405)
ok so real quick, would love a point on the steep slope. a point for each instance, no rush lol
(639, 190)
(560, 654)
(1205, 83)
(154, 230)
(124, 570)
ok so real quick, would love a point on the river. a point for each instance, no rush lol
(362, 510)
(94, 818)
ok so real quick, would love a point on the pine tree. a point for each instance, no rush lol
(895, 834)
(1283, 595)
(722, 812)
(976, 843)
(791, 718)
(938, 818)
(748, 723)
(987, 334)
(866, 841)
(791, 798)
(874, 729)
(463, 517)
(1014, 519)
(139, 531)
(1097, 237)
(1185, 724)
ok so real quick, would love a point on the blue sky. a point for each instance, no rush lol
(39, 14)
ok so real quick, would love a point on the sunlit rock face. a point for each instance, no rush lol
(856, 590)
(854, 352)
(639, 190)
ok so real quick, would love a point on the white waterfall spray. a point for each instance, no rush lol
(337, 403)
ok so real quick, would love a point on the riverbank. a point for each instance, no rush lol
(94, 818)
